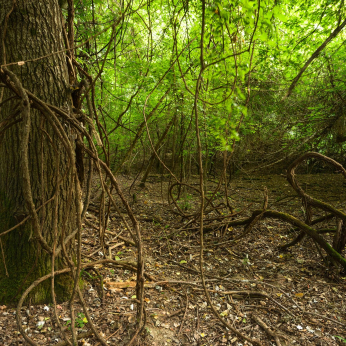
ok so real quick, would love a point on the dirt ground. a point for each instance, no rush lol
(263, 292)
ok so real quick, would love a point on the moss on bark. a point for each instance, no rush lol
(22, 259)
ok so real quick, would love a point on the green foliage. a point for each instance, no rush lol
(340, 338)
(186, 202)
(80, 321)
(251, 50)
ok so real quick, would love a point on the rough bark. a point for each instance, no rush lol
(32, 30)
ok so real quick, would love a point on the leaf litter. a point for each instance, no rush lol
(262, 291)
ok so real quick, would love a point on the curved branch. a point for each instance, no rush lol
(313, 57)
(306, 229)
(311, 200)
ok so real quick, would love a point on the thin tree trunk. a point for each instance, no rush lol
(152, 157)
(140, 130)
(339, 240)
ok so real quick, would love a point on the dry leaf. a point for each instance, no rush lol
(114, 285)
(132, 319)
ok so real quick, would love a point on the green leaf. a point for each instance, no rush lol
(282, 17)
(342, 339)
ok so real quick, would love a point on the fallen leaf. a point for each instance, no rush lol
(132, 319)
(113, 284)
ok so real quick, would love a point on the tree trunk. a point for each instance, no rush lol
(32, 30)
(153, 156)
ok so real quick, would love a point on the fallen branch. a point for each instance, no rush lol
(307, 229)
(267, 329)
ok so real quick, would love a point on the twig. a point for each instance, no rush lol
(182, 321)
(108, 337)
(80, 336)
(174, 314)
(267, 329)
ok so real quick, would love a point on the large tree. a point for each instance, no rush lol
(38, 182)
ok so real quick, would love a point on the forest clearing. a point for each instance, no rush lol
(172, 172)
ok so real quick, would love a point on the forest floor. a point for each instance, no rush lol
(256, 287)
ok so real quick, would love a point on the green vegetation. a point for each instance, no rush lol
(149, 63)
(185, 94)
